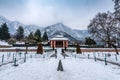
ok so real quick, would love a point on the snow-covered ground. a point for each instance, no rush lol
(45, 68)
(3, 43)
(24, 48)
(110, 56)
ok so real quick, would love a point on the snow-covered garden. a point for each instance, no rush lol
(85, 66)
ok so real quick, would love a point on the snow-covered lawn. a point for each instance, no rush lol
(101, 55)
(3, 43)
(74, 69)
(39, 68)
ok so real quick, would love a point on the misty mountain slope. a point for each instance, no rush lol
(13, 26)
(64, 34)
(82, 33)
(3, 20)
(32, 28)
(51, 30)
(56, 27)
(59, 27)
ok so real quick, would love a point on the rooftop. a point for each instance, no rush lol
(59, 37)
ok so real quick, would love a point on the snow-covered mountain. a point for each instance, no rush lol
(51, 30)
(13, 26)
(62, 29)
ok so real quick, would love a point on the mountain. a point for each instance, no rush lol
(63, 34)
(52, 30)
(13, 26)
(62, 29)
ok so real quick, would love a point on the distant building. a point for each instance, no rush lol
(59, 41)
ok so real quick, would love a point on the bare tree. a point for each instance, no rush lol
(117, 9)
(103, 27)
(117, 17)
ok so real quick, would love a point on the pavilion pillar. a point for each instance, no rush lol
(54, 44)
(63, 44)
(51, 43)
(67, 44)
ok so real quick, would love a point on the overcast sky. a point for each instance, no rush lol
(73, 13)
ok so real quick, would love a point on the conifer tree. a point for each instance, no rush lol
(4, 32)
(37, 35)
(31, 36)
(20, 33)
(45, 37)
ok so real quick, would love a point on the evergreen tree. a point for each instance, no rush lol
(4, 32)
(31, 36)
(37, 35)
(89, 41)
(20, 33)
(45, 37)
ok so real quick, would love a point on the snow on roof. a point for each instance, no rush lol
(20, 42)
(3, 43)
(59, 37)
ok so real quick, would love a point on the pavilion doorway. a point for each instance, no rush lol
(59, 43)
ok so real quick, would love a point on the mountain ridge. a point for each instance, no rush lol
(52, 30)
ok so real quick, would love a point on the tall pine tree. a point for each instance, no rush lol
(45, 37)
(20, 33)
(31, 36)
(37, 35)
(4, 32)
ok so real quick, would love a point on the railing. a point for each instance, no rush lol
(74, 49)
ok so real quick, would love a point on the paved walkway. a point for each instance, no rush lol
(59, 56)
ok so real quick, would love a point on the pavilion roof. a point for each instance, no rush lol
(59, 37)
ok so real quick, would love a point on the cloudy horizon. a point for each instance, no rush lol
(73, 13)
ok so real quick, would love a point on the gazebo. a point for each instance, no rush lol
(59, 41)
